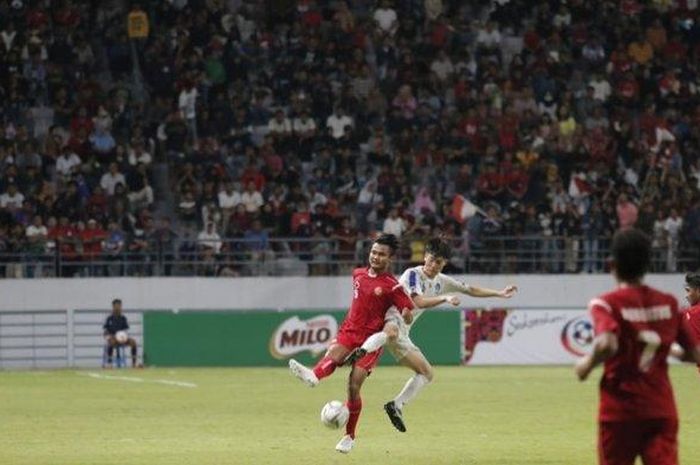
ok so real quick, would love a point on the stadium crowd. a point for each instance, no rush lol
(550, 123)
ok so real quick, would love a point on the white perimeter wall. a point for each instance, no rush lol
(282, 293)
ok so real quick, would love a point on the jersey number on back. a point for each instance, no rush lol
(652, 341)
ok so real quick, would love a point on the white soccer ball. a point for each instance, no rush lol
(121, 337)
(335, 414)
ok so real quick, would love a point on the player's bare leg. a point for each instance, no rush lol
(356, 379)
(375, 342)
(131, 342)
(416, 361)
(334, 357)
(111, 344)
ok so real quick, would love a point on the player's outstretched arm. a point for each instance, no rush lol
(422, 301)
(476, 291)
(692, 355)
(676, 351)
(604, 347)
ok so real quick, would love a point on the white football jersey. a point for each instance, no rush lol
(416, 282)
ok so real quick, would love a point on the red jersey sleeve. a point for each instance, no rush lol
(400, 298)
(603, 318)
(689, 330)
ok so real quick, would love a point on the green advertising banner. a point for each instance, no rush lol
(268, 338)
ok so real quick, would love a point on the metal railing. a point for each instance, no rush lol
(58, 338)
(331, 256)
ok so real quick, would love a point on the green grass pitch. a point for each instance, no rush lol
(509, 415)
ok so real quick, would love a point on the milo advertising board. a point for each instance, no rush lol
(268, 338)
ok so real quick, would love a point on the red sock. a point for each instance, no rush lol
(325, 367)
(355, 407)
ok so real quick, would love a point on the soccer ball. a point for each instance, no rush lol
(335, 414)
(583, 333)
(121, 337)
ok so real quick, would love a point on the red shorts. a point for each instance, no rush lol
(620, 442)
(352, 341)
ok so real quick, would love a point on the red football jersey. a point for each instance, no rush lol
(692, 318)
(635, 384)
(372, 296)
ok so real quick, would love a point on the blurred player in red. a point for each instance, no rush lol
(692, 295)
(375, 290)
(635, 326)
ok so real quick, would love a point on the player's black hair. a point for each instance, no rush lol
(631, 253)
(389, 240)
(439, 247)
(116, 301)
(692, 279)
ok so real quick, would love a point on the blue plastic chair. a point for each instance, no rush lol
(119, 358)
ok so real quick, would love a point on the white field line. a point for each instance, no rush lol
(175, 383)
(116, 378)
(134, 379)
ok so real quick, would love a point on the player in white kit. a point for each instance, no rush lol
(428, 287)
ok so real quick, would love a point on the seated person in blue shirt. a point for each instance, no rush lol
(116, 334)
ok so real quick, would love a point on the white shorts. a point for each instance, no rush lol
(403, 344)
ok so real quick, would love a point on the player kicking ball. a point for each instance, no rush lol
(635, 326)
(427, 286)
(375, 290)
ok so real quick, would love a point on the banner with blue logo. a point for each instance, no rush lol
(503, 336)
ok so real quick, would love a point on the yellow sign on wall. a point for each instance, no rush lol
(137, 25)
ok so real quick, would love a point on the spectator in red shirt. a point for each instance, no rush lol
(675, 51)
(516, 181)
(620, 60)
(37, 18)
(81, 121)
(471, 128)
(66, 239)
(439, 34)
(252, 174)
(301, 221)
(97, 203)
(68, 16)
(311, 18)
(490, 183)
(239, 222)
(80, 144)
(600, 146)
(508, 131)
(91, 238)
(628, 89)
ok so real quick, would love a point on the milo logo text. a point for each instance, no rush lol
(294, 336)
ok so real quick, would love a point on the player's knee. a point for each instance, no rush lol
(428, 372)
(392, 332)
(336, 353)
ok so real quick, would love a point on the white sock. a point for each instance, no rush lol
(411, 389)
(375, 342)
